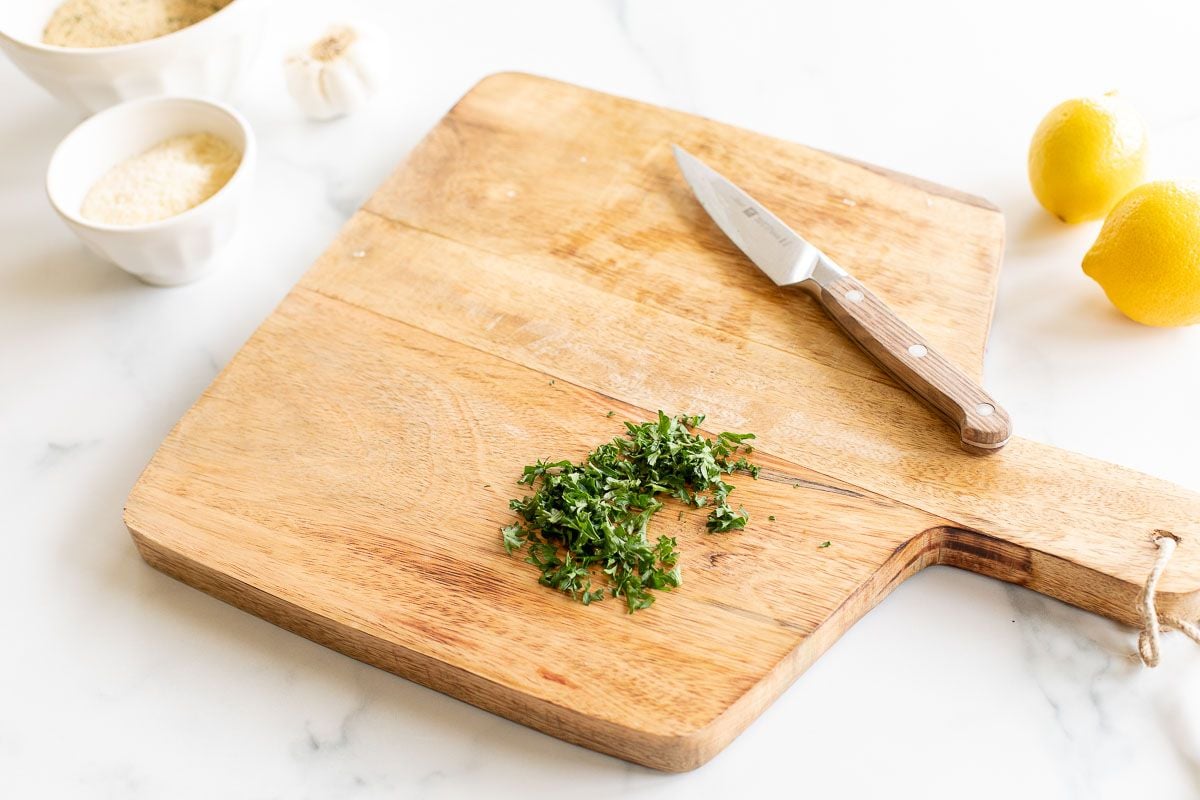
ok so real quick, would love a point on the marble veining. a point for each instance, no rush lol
(116, 681)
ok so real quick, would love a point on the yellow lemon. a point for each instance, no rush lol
(1147, 256)
(1085, 155)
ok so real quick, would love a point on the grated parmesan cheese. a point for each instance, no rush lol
(105, 23)
(168, 179)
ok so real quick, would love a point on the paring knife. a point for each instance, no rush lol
(787, 259)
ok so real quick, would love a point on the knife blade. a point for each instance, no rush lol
(790, 260)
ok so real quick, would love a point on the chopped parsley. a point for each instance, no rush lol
(585, 526)
(824, 544)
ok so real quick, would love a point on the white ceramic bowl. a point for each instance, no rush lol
(205, 59)
(170, 251)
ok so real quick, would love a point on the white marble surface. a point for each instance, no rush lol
(118, 682)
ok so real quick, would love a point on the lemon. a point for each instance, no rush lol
(1085, 155)
(1147, 256)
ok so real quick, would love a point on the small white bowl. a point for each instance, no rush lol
(170, 251)
(205, 59)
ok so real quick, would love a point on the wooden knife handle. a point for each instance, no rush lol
(984, 427)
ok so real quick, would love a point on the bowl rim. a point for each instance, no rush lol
(243, 167)
(85, 52)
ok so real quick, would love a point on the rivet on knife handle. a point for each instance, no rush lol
(984, 427)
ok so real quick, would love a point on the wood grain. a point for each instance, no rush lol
(536, 264)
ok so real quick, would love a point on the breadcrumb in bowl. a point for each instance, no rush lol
(106, 23)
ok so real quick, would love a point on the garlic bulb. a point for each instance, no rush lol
(338, 73)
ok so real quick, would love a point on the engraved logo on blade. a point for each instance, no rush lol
(767, 226)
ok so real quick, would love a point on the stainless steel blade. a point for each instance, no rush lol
(774, 248)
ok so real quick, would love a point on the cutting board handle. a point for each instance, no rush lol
(984, 427)
(1068, 526)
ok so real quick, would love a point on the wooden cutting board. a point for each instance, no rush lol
(536, 264)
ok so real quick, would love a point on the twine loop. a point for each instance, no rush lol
(1153, 621)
